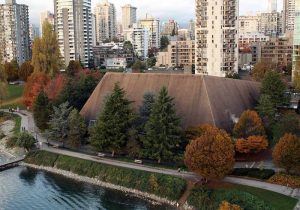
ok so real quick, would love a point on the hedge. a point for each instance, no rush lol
(254, 173)
(164, 186)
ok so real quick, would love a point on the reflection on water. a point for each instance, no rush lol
(24, 188)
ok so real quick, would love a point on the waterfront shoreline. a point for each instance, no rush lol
(155, 200)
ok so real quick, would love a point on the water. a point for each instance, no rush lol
(29, 189)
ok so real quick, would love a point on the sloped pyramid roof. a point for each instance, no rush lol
(198, 99)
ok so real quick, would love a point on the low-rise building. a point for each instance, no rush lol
(111, 55)
(246, 38)
(178, 54)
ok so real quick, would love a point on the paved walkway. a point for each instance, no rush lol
(28, 123)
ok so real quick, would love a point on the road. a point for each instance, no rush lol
(28, 123)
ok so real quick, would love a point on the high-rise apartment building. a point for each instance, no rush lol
(272, 6)
(296, 48)
(288, 15)
(106, 21)
(153, 27)
(216, 37)
(46, 15)
(33, 33)
(14, 32)
(73, 24)
(128, 16)
(139, 38)
(271, 24)
(170, 28)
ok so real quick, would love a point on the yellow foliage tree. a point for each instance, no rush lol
(249, 124)
(206, 157)
(286, 153)
(45, 52)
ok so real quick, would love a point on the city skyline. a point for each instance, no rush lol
(181, 11)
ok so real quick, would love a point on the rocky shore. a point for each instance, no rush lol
(146, 196)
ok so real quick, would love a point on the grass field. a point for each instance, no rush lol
(14, 97)
(276, 200)
(250, 198)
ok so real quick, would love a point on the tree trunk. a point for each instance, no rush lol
(159, 160)
(113, 153)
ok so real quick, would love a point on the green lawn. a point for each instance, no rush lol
(276, 200)
(249, 198)
(14, 92)
(13, 99)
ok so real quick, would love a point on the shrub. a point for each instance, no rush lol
(161, 185)
(254, 173)
(285, 180)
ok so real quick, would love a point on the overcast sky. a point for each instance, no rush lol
(180, 10)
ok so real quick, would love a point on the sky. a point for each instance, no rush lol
(180, 10)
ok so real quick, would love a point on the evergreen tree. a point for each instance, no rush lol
(162, 131)
(145, 109)
(266, 109)
(41, 111)
(45, 52)
(58, 124)
(274, 87)
(111, 129)
(77, 129)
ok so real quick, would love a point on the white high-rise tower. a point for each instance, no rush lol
(288, 15)
(73, 24)
(128, 16)
(272, 5)
(216, 37)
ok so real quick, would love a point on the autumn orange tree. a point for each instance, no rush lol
(253, 144)
(260, 69)
(249, 124)
(35, 84)
(225, 205)
(206, 157)
(54, 87)
(286, 153)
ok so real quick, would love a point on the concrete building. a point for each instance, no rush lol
(183, 34)
(278, 50)
(252, 37)
(106, 21)
(249, 24)
(192, 29)
(14, 32)
(34, 32)
(178, 54)
(288, 15)
(73, 24)
(271, 24)
(139, 38)
(152, 25)
(216, 37)
(296, 44)
(128, 16)
(170, 28)
(272, 6)
(46, 15)
(112, 55)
